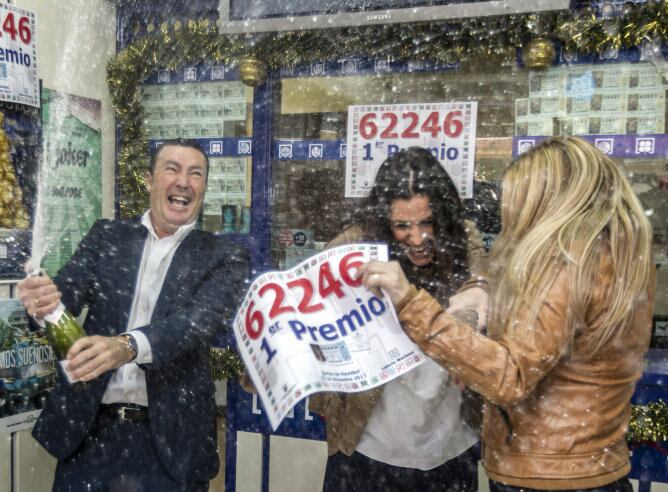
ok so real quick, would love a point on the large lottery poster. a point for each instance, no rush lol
(314, 328)
(18, 56)
(375, 132)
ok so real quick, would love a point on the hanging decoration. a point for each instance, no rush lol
(195, 41)
(252, 71)
(538, 54)
(12, 213)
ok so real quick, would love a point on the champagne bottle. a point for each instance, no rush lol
(62, 330)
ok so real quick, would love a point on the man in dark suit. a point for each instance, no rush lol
(157, 291)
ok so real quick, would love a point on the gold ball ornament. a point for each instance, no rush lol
(538, 54)
(252, 71)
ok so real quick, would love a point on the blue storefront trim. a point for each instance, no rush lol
(219, 147)
(312, 150)
(626, 146)
(195, 73)
(357, 65)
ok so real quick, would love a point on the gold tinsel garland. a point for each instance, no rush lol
(12, 213)
(649, 423)
(225, 364)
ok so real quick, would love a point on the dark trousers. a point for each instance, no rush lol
(360, 473)
(117, 456)
(621, 485)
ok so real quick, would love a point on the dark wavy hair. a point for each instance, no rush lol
(410, 172)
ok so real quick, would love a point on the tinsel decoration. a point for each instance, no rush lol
(12, 213)
(197, 41)
(225, 364)
(649, 423)
(538, 54)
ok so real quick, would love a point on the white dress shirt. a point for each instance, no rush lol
(128, 383)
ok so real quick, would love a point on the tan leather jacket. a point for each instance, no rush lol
(556, 415)
(347, 414)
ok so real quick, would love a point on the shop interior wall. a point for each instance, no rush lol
(75, 39)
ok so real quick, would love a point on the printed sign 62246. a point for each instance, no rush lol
(15, 26)
(391, 125)
(309, 298)
(378, 131)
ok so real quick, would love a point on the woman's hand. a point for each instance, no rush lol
(388, 276)
(473, 299)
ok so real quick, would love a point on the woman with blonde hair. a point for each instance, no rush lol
(571, 288)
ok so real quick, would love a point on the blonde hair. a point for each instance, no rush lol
(564, 204)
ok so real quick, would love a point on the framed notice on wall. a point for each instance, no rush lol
(376, 132)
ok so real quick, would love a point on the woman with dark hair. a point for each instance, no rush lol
(408, 434)
(435, 259)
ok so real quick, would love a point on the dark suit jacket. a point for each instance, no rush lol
(198, 299)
